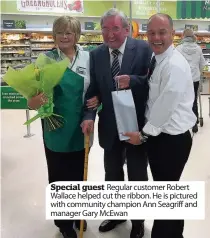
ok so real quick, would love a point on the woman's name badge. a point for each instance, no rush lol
(81, 70)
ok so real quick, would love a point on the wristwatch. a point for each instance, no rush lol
(143, 136)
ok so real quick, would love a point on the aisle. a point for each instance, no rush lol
(24, 177)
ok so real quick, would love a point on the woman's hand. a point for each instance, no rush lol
(37, 101)
(93, 103)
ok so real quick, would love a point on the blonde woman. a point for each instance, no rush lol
(64, 147)
(193, 54)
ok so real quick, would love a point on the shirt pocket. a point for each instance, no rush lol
(154, 91)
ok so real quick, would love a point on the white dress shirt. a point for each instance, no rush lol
(120, 56)
(171, 96)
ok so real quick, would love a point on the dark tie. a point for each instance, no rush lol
(115, 65)
(151, 67)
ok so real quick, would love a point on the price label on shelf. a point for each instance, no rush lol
(21, 52)
(144, 27)
(192, 27)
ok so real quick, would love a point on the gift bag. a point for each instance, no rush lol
(125, 112)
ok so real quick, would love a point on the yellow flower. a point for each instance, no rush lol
(37, 71)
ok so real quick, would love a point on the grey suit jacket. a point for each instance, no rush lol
(135, 63)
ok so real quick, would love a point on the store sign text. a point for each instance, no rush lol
(50, 5)
(44, 4)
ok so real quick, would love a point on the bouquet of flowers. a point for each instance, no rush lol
(39, 77)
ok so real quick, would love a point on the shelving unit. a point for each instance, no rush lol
(20, 47)
(43, 41)
(15, 50)
(15, 45)
(16, 58)
(40, 43)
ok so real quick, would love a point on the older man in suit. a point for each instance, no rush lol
(127, 59)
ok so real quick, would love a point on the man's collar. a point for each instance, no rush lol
(121, 49)
(159, 58)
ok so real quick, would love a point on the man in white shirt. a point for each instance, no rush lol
(169, 114)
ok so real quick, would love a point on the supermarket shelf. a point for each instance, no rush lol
(42, 41)
(19, 66)
(207, 33)
(11, 65)
(14, 52)
(17, 58)
(97, 32)
(26, 38)
(91, 42)
(29, 30)
(15, 45)
(178, 32)
(41, 48)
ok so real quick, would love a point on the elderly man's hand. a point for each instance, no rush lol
(134, 138)
(87, 127)
(123, 81)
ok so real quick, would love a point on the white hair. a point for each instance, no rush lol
(115, 12)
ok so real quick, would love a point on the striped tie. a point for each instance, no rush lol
(115, 66)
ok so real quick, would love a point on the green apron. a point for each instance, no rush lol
(68, 100)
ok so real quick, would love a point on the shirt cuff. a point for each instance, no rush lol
(151, 130)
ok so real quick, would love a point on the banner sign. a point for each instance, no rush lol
(89, 25)
(8, 24)
(55, 6)
(12, 24)
(193, 9)
(144, 27)
(141, 9)
(10, 99)
(144, 9)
